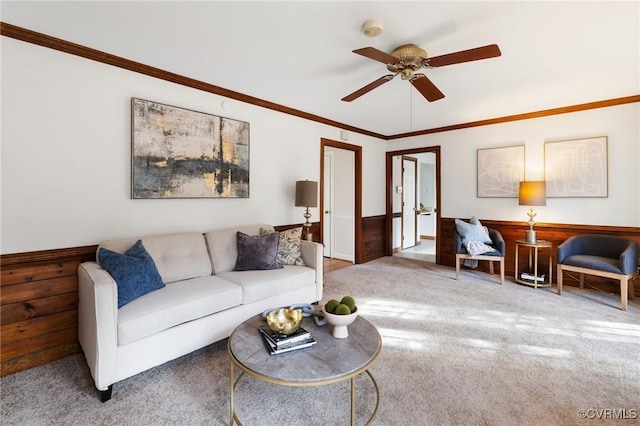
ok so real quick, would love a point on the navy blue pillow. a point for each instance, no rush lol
(135, 272)
(257, 252)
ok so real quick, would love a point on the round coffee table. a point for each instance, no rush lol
(329, 361)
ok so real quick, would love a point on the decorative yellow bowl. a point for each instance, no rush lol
(339, 322)
(284, 321)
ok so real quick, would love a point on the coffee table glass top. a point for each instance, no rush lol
(329, 360)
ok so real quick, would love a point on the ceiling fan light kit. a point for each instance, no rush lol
(372, 27)
(408, 58)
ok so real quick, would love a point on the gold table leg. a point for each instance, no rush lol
(233, 382)
(353, 401)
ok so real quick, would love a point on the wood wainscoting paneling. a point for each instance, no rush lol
(39, 303)
(373, 241)
(555, 233)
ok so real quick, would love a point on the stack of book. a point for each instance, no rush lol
(280, 343)
(530, 277)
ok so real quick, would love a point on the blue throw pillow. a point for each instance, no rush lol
(257, 252)
(135, 272)
(472, 231)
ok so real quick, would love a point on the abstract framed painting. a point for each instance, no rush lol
(180, 153)
(500, 171)
(576, 168)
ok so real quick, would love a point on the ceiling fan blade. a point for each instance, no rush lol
(427, 88)
(377, 55)
(484, 52)
(369, 87)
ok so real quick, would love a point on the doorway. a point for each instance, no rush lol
(413, 205)
(341, 200)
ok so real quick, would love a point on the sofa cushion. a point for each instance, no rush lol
(257, 285)
(289, 252)
(223, 247)
(134, 271)
(177, 256)
(177, 303)
(257, 252)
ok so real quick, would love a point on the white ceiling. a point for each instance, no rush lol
(299, 54)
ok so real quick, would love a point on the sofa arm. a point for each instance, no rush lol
(98, 322)
(313, 256)
(629, 258)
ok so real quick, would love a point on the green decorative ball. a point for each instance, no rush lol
(331, 305)
(350, 302)
(342, 309)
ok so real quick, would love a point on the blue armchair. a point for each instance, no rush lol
(601, 255)
(497, 243)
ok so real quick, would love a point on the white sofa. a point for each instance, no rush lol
(203, 301)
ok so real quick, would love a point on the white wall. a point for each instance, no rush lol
(66, 147)
(621, 124)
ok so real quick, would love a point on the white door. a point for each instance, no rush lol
(327, 218)
(409, 229)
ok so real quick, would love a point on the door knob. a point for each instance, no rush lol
(327, 212)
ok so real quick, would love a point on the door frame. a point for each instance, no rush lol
(357, 214)
(389, 197)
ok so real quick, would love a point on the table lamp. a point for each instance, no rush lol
(532, 193)
(307, 196)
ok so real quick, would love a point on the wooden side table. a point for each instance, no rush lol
(533, 263)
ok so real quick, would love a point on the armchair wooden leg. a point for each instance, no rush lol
(624, 286)
(457, 267)
(491, 267)
(559, 280)
(581, 280)
(502, 271)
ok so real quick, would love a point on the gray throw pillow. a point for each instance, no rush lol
(257, 252)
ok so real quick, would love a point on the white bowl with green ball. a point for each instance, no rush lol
(340, 322)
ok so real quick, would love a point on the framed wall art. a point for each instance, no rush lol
(179, 153)
(500, 171)
(576, 168)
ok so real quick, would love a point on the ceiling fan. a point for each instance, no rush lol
(407, 59)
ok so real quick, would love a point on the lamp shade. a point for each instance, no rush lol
(533, 193)
(306, 193)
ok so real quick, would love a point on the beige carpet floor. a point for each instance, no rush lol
(468, 352)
